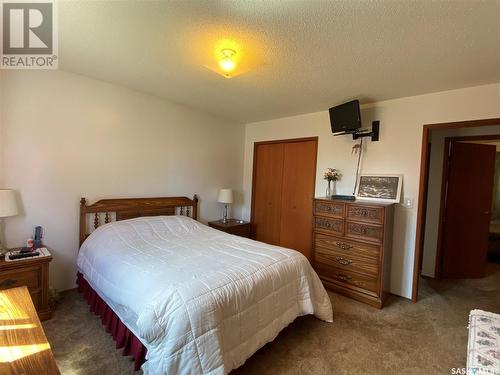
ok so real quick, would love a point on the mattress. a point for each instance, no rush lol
(201, 301)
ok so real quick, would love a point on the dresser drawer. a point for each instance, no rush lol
(351, 262)
(29, 277)
(347, 278)
(367, 232)
(327, 208)
(329, 225)
(347, 247)
(369, 214)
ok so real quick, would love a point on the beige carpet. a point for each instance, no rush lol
(429, 337)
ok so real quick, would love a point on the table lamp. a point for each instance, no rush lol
(225, 197)
(8, 207)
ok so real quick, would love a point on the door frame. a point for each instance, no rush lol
(290, 140)
(422, 187)
(442, 212)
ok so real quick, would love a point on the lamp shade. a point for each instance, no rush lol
(225, 196)
(8, 203)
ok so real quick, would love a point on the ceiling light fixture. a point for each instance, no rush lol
(227, 64)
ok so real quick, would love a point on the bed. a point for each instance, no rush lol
(183, 297)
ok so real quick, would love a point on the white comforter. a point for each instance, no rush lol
(200, 300)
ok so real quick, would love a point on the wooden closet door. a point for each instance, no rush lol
(267, 185)
(299, 175)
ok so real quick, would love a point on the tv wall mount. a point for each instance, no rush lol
(374, 133)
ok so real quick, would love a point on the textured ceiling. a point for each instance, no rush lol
(302, 56)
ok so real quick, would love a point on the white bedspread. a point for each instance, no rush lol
(202, 301)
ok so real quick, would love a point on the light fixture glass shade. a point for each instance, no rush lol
(227, 63)
(8, 203)
(225, 196)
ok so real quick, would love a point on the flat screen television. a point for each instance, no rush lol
(345, 117)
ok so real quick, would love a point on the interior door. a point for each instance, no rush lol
(267, 187)
(299, 175)
(467, 210)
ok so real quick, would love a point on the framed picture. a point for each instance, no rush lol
(380, 187)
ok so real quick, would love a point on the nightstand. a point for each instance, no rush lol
(233, 226)
(33, 273)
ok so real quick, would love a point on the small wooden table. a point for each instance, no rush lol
(233, 226)
(30, 272)
(24, 349)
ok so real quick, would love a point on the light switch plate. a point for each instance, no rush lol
(408, 202)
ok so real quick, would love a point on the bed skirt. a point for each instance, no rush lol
(123, 337)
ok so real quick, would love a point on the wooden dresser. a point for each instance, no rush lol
(352, 247)
(32, 273)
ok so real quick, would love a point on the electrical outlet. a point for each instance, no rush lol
(408, 203)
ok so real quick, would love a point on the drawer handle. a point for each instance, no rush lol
(8, 282)
(343, 261)
(343, 246)
(343, 277)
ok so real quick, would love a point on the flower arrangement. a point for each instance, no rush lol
(332, 174)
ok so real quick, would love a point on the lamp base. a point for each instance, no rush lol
(224, 219)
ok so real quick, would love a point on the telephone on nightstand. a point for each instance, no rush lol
(37, 239)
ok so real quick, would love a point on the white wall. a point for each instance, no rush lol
(398, 151)
(65, 136)
(437, 138)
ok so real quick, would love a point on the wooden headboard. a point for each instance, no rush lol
(127, 208)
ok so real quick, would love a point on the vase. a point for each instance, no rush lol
(330, 189)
